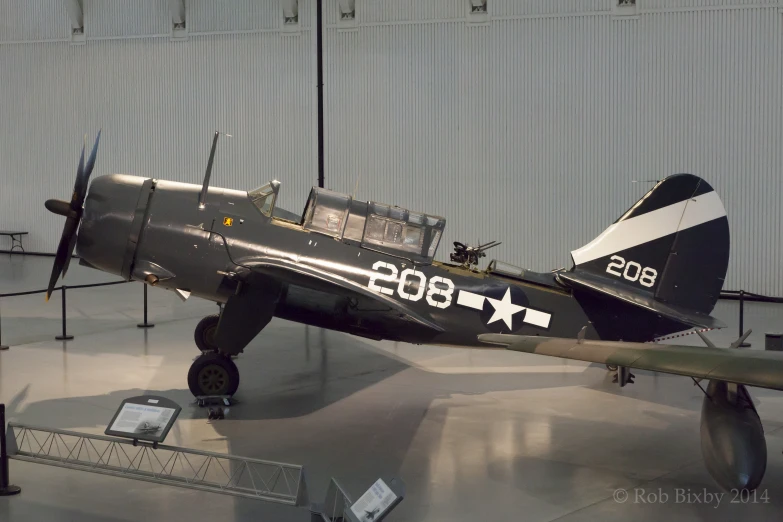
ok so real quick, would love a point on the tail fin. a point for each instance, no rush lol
(672, 245)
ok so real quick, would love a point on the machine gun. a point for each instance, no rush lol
(468, 256)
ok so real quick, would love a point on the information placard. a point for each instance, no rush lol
(146, 418)
(375, 503)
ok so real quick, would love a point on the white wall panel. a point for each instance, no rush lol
(385, 12)
(103, 18)
(532, 127)
(529, 128)
(546, 7)
(39, 20)
(235, 15)
(158, 103)
(703, 4)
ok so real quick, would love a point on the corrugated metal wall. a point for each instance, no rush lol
(527, 126)
(530, 127)
(158, 101)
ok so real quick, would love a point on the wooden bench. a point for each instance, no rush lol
(16, 239)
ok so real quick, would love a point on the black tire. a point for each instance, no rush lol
(213, 374)
(205, 333)
(611, 367)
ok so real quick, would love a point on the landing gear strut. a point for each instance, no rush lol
(213, 373)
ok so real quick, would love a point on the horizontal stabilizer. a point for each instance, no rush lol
(749, 367)
(627, 294)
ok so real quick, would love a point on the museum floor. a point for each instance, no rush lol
(475, 434)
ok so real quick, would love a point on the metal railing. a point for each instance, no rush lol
(742, 296)
(337, 504)
(174, 466)
(257, 479)
(64, 336)
(749, 296)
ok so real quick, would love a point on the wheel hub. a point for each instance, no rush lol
(213, 379)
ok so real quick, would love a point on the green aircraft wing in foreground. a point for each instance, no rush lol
(748, 367)
(732, 437)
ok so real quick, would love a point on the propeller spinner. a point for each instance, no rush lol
(73, 214)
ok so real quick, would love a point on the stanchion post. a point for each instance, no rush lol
(64, 336)
(145, 324)
(6, 489)
(742, 318)
(2, 346)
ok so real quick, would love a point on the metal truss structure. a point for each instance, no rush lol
(169, 465)
(337, 504)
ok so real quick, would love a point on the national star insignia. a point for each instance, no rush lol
(504, 309)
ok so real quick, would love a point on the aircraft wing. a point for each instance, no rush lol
(318, 279)
(749, 367)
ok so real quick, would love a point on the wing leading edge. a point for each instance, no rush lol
(749, 367)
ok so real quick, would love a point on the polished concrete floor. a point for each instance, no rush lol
(475, 434)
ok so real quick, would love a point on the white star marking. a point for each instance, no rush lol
(504, 309)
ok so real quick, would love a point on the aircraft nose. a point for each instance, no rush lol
(113, 215)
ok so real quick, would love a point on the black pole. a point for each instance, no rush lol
(741, 312)
(319, 56)
(64, 336)
(145, 324)
(2, 346)
(742, 317)
(6, 489)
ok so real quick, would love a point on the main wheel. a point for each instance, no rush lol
(213, 374)
(205, 333)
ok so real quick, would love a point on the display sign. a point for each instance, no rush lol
(375, 503)
(146, 418)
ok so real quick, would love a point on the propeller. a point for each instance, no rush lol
(73, 215)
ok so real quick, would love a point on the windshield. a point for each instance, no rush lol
(264, 197)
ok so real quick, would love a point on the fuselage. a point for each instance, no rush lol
(155, 231)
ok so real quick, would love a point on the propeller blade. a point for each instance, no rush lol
(91, 161)
(77, 185)
(83, 176)
(73, 213)
(63, 251)
(71, 247)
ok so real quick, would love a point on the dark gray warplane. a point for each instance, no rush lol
(368, 268)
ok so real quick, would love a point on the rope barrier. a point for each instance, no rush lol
(62, 289)
(735, 294)
(91, 285)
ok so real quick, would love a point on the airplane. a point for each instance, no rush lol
(369, 269)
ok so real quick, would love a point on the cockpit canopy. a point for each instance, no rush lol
(264, 197)
(392, 230)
